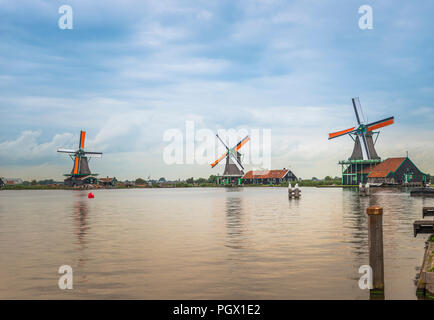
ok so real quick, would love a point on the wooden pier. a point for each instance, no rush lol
(425, 281)
(423, 226)
(422, 192)
(427, 212)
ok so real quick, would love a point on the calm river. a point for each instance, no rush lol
(203, 243)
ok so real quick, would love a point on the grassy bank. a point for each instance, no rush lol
(34, 187)
(304, 183)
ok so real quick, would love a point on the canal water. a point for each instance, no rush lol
(203, 243)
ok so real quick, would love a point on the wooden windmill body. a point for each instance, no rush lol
(80, 173)
(234, 170)
(364, 156)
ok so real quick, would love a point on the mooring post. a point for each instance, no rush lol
(375, 238)
(296, 191)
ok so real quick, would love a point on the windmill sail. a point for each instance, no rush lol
(364, 145)
(233, 165)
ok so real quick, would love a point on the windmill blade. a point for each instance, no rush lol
(341, 133)
(380, 124)
(365, 149)
(358, 110)
(94, 154)
(75, 169)
(222, 142)
(82, 138)
(218, 160)
(62, 150)
(236, 159)
(242, 143)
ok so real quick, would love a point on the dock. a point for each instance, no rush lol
(422, 192)
(423, 226)
(427, 212)
(425, 281)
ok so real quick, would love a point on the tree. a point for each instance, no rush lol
(162, 180)
(33, 183)
(328, 178)
(201, 180)
(45, 182)
(190, 180)
(140, 181)
(212, 179)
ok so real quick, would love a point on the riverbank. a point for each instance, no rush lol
(183, 185)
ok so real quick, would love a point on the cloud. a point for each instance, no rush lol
(26, 148)
(130, 71)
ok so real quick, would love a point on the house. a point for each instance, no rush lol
(268, 176)
(396, 171)
(1, 182)
(12, 181)
(74, 181)
(108, 182)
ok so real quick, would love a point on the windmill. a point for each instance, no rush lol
(233, 168)
(80, 173)
(364, 152)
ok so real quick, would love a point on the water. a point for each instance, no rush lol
(203, 243)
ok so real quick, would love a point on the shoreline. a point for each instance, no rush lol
(60, 187)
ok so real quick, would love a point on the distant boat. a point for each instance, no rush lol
(376, 184)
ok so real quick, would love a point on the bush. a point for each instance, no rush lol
(201, 180)
(212, 179)
(140, 181)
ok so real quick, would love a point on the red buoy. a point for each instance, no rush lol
(90, 195)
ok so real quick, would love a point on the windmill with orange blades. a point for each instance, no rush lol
(234, 170)
(81, 159)
(355, 170)
(364, 145)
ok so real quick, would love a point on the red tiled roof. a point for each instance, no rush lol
(383, 169)
(266, 174)
(366, 170)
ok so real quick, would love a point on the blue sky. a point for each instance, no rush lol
(129, 70)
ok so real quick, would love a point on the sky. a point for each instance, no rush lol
(129, 71)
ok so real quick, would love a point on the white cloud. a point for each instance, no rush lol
(27, 148)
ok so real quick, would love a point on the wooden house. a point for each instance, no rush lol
(269, 176)
(108, 182)
(396, 171)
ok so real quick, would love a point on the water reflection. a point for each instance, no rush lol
(80, 213)
(81, 227)
(234, 219)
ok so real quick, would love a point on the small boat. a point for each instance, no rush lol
(376, 184)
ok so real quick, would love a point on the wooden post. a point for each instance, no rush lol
(375, 238)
